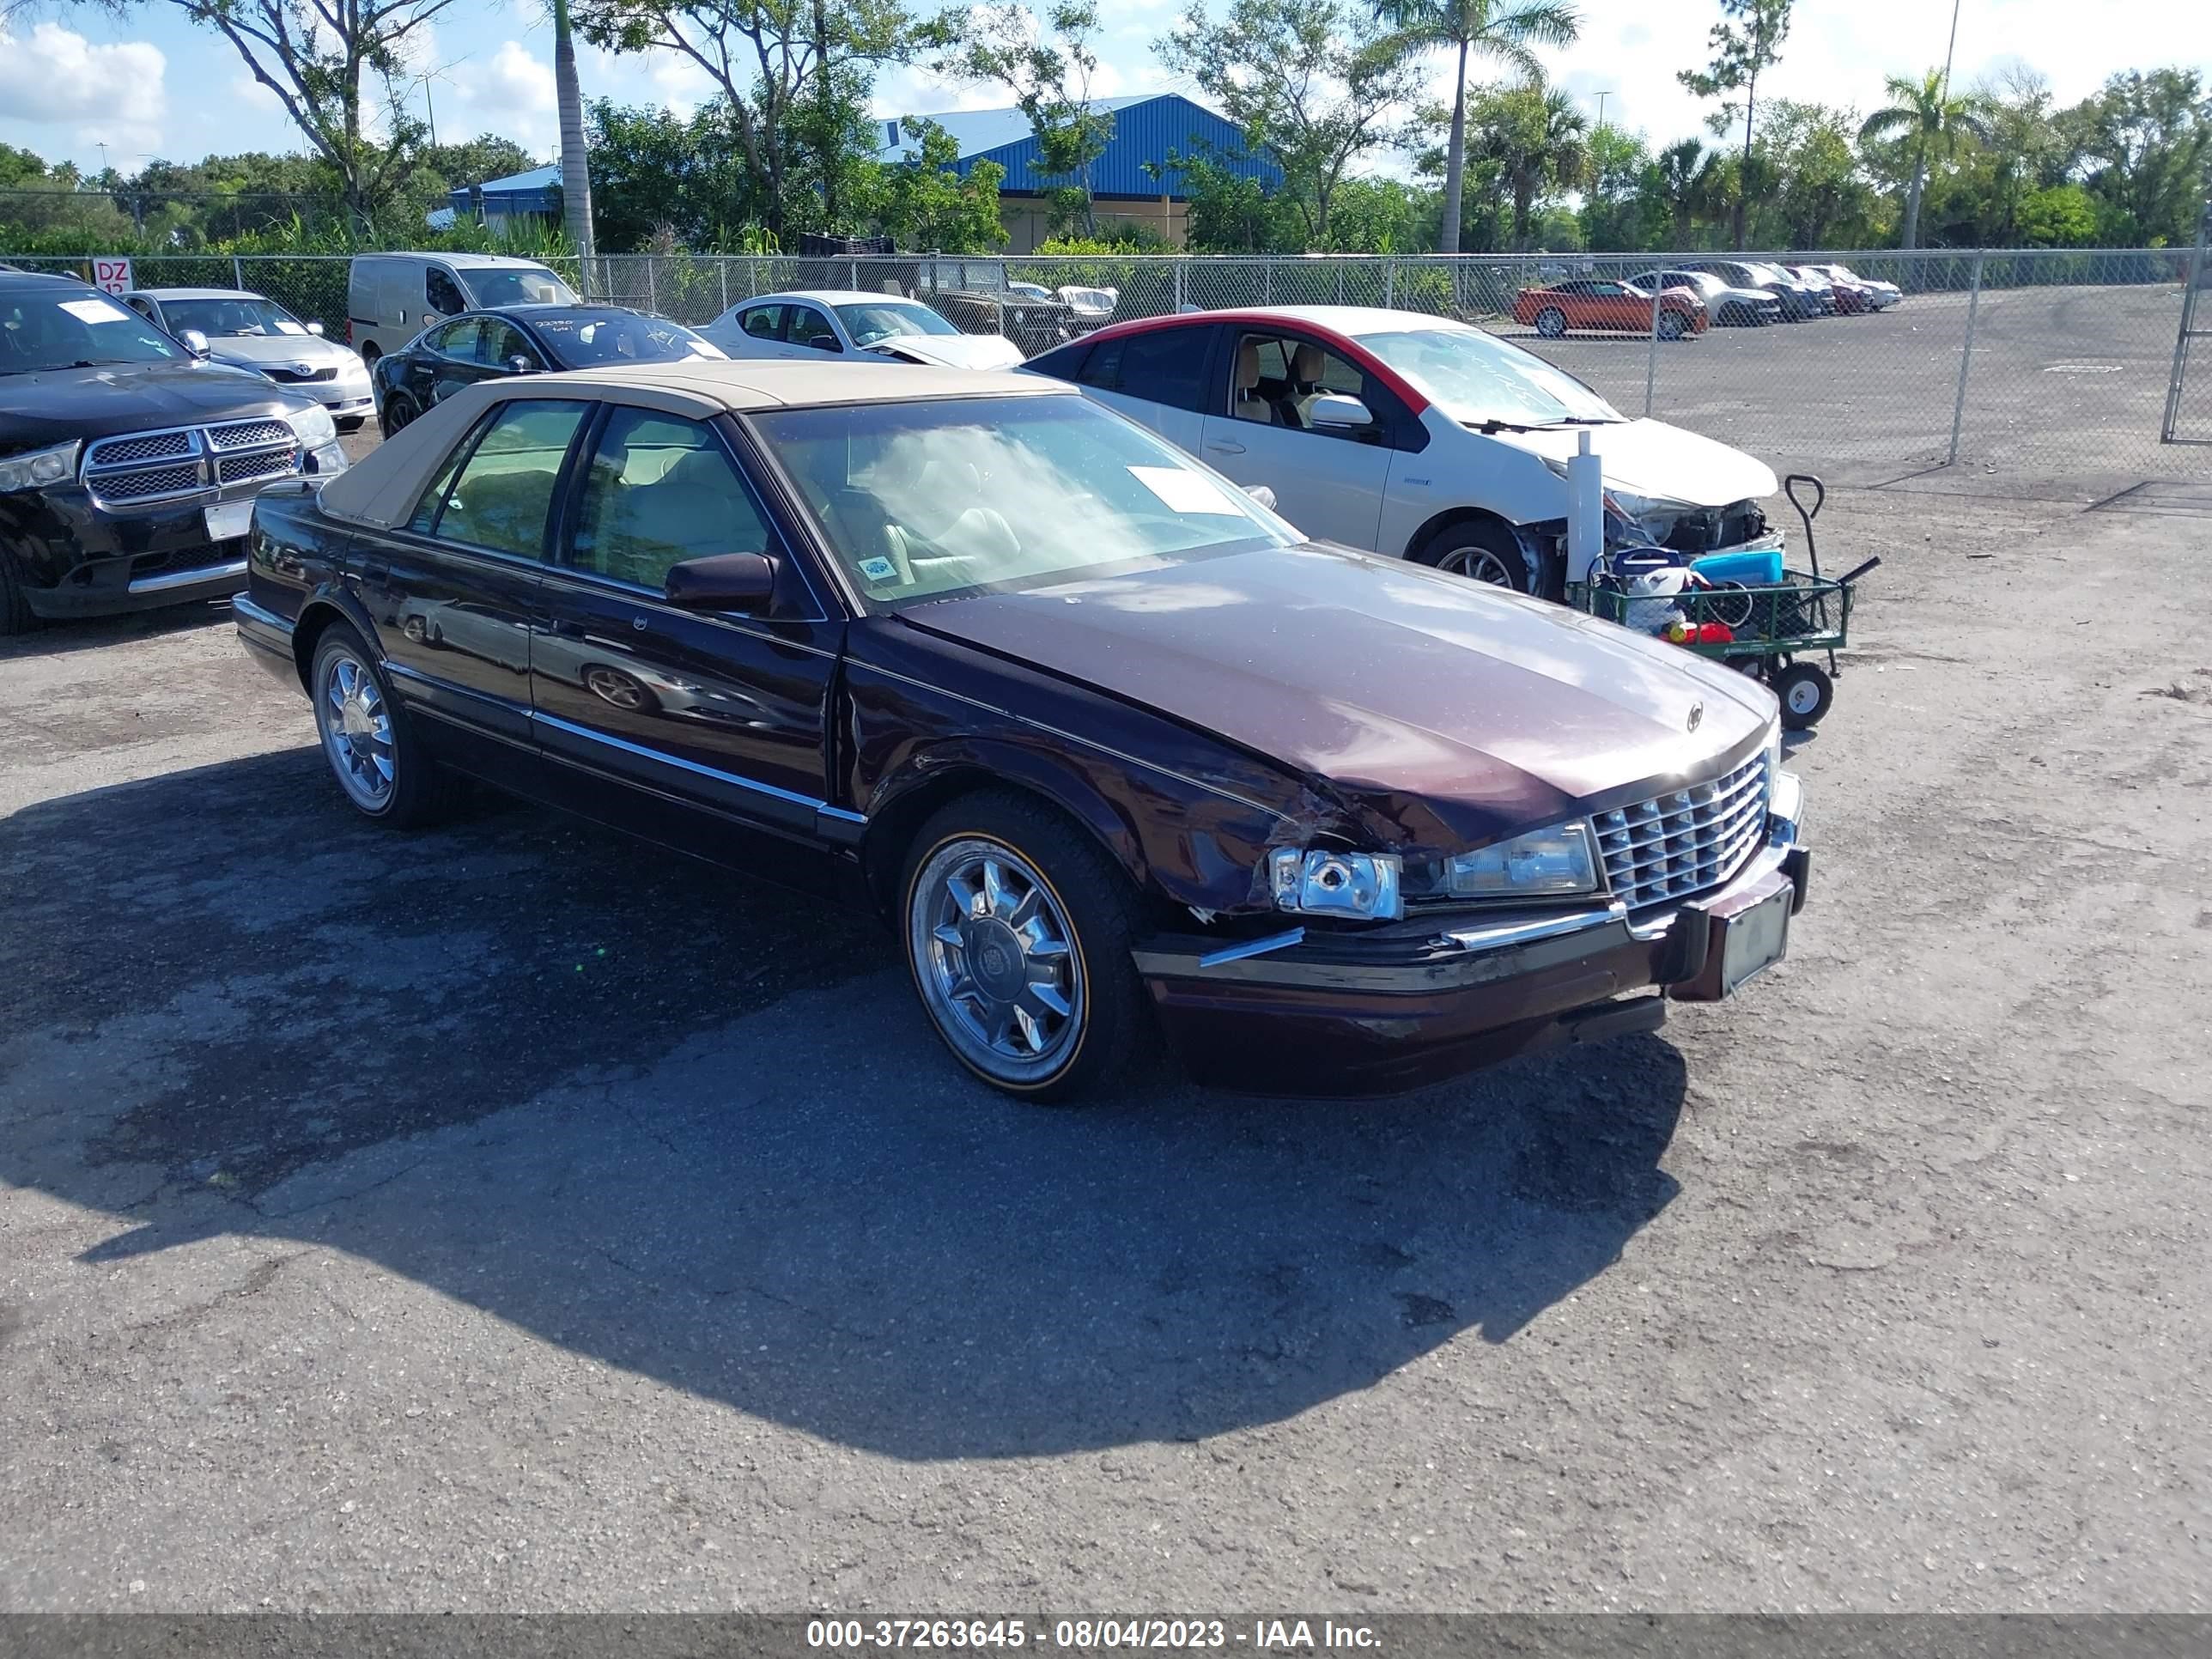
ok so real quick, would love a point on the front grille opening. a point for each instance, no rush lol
(241, 469)
(145, 484)
(249, 434)
(155, 447)
(1680, 844)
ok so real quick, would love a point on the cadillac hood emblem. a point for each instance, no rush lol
(1697, 715)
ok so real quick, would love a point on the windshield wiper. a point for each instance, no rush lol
(1581, 420)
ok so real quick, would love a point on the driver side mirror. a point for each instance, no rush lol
(722, 581)
(824, 341)
(194, 342)
(1262, 494)
(1338, 411)
(519, 364)
(315, 329)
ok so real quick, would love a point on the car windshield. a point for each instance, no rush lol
(1474, 377)
(873, 321)
(587, 340)
(227, 317)
(930, 499)
(519, 285)
(76, 329)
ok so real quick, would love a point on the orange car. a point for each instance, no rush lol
(1598, 304)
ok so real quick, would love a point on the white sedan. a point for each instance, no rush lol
(852, 323)
(1416, 437)
(251, 330)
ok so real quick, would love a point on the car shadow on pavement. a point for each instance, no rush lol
(58, 639)
(702, 1134)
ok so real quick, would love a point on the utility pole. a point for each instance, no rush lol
(1950, 48)
(1601, 97)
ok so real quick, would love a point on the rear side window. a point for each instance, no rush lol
(504, 493)
(1162, 365)
(762, 322)
(1061, 363)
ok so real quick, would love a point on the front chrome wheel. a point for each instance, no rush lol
(357, 728)
(1477, 564)
(998, 960)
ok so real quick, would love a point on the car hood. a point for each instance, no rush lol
(54, 405)
(956, 351)
(281, 350)
(1650, 458)
(1440, 713)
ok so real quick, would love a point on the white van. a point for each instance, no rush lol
(393, 297)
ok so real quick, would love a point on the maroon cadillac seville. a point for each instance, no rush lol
(1119, 755)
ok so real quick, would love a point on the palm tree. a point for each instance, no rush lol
(1507, 30)
(1681, 171)
(1924, 111)
(1538, 138)
(575, 168)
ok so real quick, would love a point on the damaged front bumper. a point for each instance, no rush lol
(1372, 1011)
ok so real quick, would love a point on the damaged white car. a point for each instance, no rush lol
(1415, 436)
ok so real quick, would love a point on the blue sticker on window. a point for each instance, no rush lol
(878, 569)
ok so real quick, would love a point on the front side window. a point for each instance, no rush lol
(661, 490)
(249, 319)
(1474, 377)
(1295, 374)
(443, 294)
(1162, 365)
(501, 342)
(504, 494)
(588, 339)
(76, 329)
(810, 327)
(926, 499)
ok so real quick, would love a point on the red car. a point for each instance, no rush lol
(1595, 303)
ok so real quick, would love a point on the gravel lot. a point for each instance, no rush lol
(2065, 393)
(514, 1218)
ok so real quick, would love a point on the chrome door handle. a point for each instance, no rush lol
(1220, 448)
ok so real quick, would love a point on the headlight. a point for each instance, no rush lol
(1543, 863)
(314, 426)
(38, 468)
(1320, 881)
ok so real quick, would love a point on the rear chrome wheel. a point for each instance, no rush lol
(356, 730)
(366, 739)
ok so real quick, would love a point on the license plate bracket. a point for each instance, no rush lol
(228, 520)
(1755, 939)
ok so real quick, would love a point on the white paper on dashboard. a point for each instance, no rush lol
(1183, 492)
(95, 311)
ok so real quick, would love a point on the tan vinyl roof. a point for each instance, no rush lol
(381, 489)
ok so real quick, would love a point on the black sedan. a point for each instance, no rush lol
(1116, 753)
(522, 339)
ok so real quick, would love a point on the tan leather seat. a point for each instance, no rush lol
(1250, 405)
(1307, 365)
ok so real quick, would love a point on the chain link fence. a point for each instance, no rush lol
(2036, 365)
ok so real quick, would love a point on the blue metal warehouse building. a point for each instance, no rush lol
(1148, 127)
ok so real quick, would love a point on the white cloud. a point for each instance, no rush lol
(511, 93)
(110, 93)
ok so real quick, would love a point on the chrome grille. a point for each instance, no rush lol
(148, 446)
(293, 377)
(248, 435)
(243, 469)
(142, 467)
(1682, 842)
(147, 482)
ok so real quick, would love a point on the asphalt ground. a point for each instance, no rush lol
(516, 1217)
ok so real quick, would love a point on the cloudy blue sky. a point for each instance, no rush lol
(147, 83)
